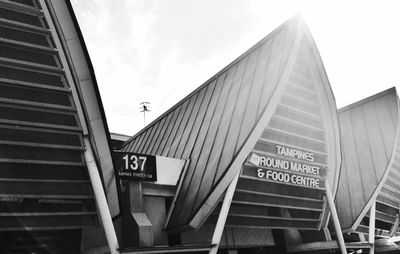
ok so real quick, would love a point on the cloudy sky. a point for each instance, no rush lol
(159, 51)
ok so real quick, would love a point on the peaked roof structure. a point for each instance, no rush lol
(50, 105)
(218, 125)
(371, 163)
(82, 73)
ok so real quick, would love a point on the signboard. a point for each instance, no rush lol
(284, 177)
(286, 165)
(135, 166)
(287, 151)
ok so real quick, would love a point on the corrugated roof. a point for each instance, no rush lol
(41, 132)
(368, 139)
(213, 124)
(84, 77)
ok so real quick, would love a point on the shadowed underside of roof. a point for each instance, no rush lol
(369, 168)
(44, 182)
(212, 124)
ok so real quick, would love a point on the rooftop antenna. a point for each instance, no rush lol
(145, 107)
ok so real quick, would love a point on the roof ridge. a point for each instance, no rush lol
(368, 99)
(196, 218)
(294, 18)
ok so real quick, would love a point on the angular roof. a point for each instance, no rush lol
(217, 125)
(84, 77)
(49, 100)
(371, 164)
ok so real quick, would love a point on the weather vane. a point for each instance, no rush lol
(145, 107)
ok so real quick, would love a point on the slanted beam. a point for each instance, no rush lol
(395, 226)
(101, 199)
(371, 232)
(361, 237)
(223, 214)
(335, 218)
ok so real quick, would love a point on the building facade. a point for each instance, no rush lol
(256, 160)
(51, 121)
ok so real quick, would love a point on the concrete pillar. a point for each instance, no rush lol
(136, 227)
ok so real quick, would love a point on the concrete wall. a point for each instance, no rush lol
(154, 208)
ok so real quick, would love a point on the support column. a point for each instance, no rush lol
(135, 196)
(137, 228)
(223, 214)
(371, 233)
(100, 197)
(335, 218)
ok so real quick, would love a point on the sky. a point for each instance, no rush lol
(159, 51)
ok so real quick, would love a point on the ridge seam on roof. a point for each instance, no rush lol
(269, 108)
(207, 82)
(396, 144)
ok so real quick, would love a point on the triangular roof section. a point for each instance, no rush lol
(218, 125)
(283, 182)
(84, 77)
(49, 104)
(371, 162)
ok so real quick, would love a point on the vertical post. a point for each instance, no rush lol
(223, 214)
(335, 218)
(371, 231)
(136, 196)
(100, 196)
(137, 229)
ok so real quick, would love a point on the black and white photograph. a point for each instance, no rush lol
(187, 126)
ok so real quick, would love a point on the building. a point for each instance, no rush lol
(54, 140)
(267, 153)
(118, 139)
(256, 160)
(368, 189)
(269, 112)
